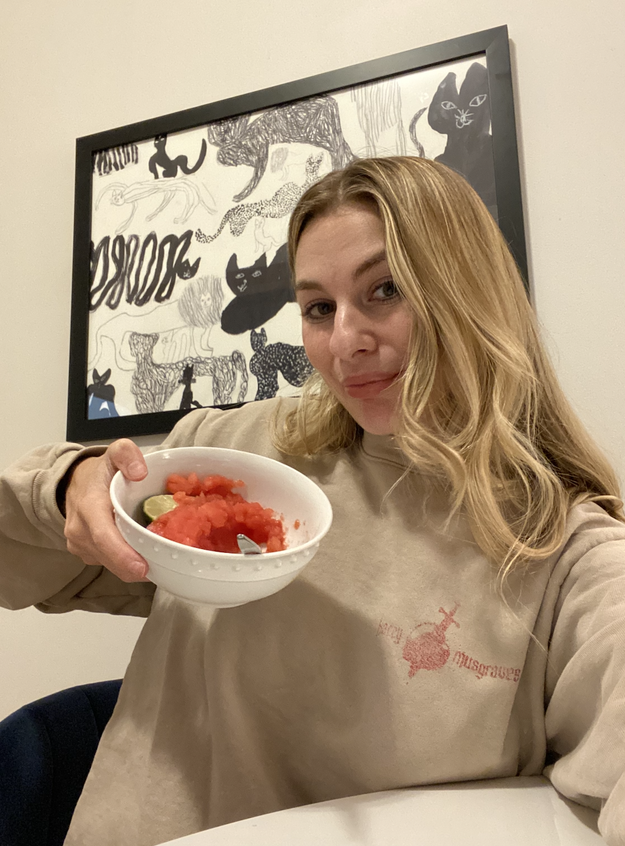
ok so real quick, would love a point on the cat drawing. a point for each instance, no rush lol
(279, 205)
(170, 166)
(260, 290)
(464, 116)
(187, 402)
(270, 359)
(101, 397)
(315, 121)
(153, 383)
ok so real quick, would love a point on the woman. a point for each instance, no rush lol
(465, 617)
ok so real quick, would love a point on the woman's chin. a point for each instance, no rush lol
(377, 417)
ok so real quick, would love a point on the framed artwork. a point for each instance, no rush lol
(181, 289)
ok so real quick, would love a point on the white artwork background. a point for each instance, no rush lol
(145, 326)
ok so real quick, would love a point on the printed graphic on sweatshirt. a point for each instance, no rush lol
(425, 647)
(493, 671)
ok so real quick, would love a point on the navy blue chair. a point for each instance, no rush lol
(46, 751)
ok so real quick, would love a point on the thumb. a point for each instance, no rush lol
(125, 455)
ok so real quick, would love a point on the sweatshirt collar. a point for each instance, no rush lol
(384, 447)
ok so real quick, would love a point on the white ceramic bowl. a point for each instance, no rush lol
(219, 578)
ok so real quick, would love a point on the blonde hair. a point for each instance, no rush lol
(480, 403)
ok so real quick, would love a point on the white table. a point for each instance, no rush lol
(500, 812)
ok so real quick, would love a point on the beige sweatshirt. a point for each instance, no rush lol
(390, 662)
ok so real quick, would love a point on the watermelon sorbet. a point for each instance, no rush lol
(209, 515)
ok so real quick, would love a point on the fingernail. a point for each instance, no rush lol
(139, 569)
(136, 468)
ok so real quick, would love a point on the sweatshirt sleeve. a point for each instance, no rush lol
(585, 684)
(35, 566)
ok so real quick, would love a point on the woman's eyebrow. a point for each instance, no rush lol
(306, 285)
(367, 264)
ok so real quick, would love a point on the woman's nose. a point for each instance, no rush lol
(351, 333)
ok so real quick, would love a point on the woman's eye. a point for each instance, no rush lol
(317, 311)
(388, 290)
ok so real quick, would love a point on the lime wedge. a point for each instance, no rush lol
(154, 506)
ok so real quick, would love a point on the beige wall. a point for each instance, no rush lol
(76, 67)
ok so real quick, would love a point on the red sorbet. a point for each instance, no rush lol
(209, 515)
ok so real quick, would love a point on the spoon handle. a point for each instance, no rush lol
(247, 545)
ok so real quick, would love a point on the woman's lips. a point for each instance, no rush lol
(369, 386)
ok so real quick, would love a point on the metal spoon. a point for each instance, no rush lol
(247, 545)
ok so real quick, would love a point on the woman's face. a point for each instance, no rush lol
(355, 324)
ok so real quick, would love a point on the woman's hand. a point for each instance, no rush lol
(90, 527)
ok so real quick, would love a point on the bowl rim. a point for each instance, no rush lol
(326, 519)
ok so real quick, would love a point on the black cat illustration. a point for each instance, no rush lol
(464, 116)
(315, 121)
(187, 402)
(170, 166)
(270, 359)
(101, 397)
(260, 290)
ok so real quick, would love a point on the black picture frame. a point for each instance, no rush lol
(107, 154)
